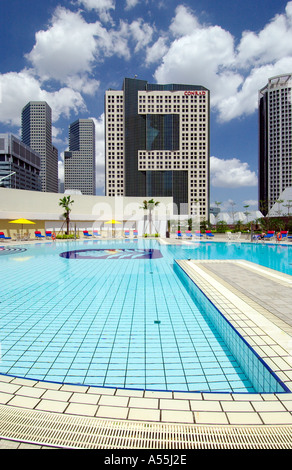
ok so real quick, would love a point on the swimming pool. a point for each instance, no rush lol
(116, 314)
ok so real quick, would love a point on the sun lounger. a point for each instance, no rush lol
(179, 234)
(127, 233)
(270, 234)
(189, 234)
(209, 233)
(284, 233)
(48, 234)
(38, 234)
(3, 237)
(281, 235)
(198, 234)
(96, 233)
(86, 234)
(135, 233)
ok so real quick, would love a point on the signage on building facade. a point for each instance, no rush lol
(197, 93)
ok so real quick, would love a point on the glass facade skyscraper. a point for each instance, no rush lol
(275, 140)
(157, 143)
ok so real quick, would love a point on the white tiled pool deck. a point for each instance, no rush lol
(37, 414)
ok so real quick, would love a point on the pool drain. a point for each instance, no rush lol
(70, 431)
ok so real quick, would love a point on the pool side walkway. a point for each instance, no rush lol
(256, 300)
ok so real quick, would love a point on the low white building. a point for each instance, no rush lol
(88, 212)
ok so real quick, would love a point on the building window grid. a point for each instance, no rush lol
(171, 160)
(115, 140)
(280, 141)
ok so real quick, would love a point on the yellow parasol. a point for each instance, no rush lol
(22, 222)
(112, 222)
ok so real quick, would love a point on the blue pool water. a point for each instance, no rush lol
(117, 314)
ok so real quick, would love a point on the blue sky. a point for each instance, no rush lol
(69, 52)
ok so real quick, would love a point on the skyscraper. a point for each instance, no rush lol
(275, 139)
(79, 164)
(37, 134)
(19, 164)
(157, 143)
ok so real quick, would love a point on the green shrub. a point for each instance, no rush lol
(221, 227)
(66, 237)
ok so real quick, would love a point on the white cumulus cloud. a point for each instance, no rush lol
(131, 4)
(184, 22)
(204, 57)
(141, 33)
(231, 173)
(209, 55)
(20, 88)
(155, 52)
(272, 43)
(102, 7)
(66, 48)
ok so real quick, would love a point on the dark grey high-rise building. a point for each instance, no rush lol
(19, 164)
(37, 134)
(79, 164)
(157, 143)
(275, 140)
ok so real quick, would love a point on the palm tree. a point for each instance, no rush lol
(66, 202)
(149, 205)
(246, 213)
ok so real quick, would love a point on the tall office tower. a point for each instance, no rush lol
(79, 165)
(37, 134)
(157, 143)
(275, 140)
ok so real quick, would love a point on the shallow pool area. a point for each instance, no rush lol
(117, 314)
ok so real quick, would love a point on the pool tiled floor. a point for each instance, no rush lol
(268, 332)
(112, 324)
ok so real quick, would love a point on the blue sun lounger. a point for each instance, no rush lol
(284, 234)
(3, 237)
(38, 234)
(270, 234)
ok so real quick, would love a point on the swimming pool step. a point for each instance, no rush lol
(57, 430)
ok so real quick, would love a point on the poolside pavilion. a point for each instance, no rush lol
(88, 212)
